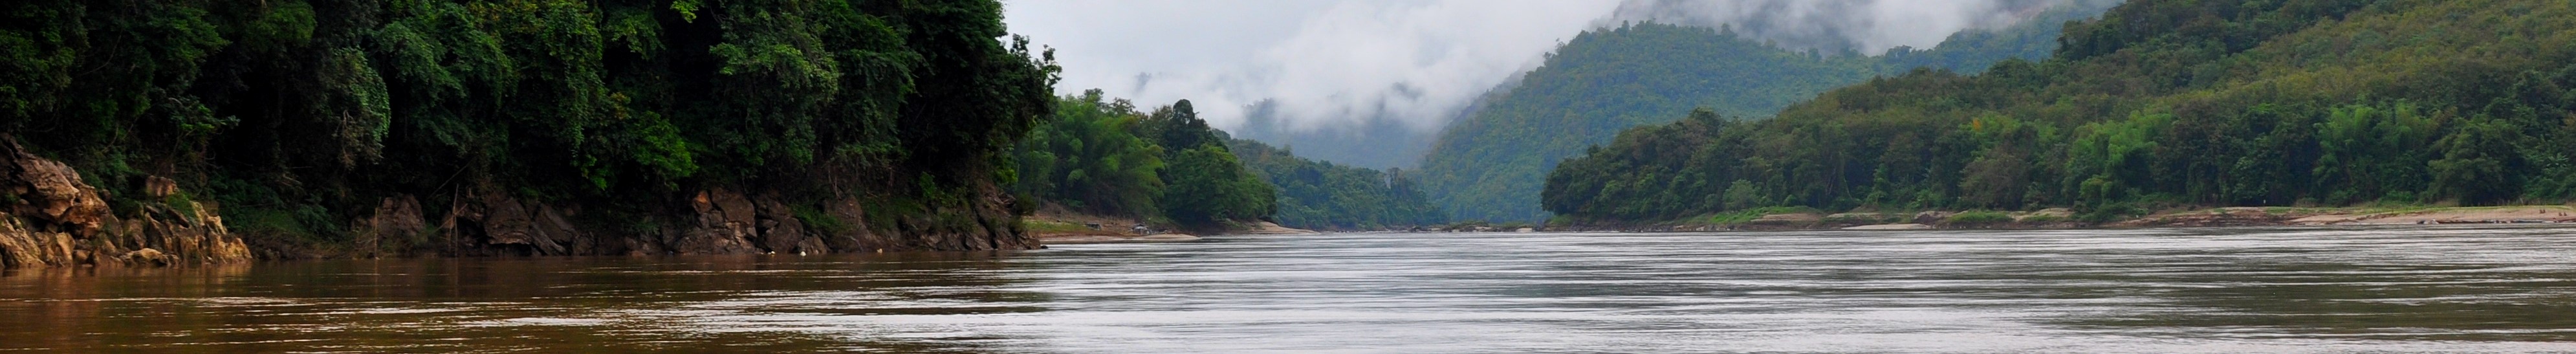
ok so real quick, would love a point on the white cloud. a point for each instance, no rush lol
(1867, 26)
(1326, 63)
(1341, 63)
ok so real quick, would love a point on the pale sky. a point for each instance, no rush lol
(1325, 61)
(1341, 62)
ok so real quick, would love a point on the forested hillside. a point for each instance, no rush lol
(1324, 195)
(362, 127)
(1493, 164)
(1103, 157)
(2160, 103)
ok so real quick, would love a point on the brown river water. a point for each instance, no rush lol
(2272, 290)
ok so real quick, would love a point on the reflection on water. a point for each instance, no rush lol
(2314, 290)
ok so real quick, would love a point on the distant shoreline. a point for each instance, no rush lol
(1057, 227)
(2059, 219)
(2047, 219)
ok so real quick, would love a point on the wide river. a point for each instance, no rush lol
(2277, 290)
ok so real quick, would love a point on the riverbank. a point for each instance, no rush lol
(53, 215)
(1055, 225)
(2060, 218)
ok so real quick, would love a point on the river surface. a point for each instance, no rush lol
(2279, 290)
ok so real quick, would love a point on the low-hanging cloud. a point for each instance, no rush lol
(1864, 26)
(1348, 63)
(1323, 63)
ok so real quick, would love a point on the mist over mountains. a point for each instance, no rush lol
(1370, 83)
(1491, 164)
(1868, 27)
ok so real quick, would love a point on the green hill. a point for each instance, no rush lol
(2160, 103)
(1324, 195)
(1493, 164)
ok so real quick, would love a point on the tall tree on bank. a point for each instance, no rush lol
(1206, 185)
(1104, 157)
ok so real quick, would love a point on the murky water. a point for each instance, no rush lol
(2483, 290)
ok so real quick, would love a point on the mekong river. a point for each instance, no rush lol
(2262, 290)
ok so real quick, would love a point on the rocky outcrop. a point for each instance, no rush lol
(53, 192)
(985, 224)
(51, 217)
(782, 231)
(725, 224)
(396, 222)
(716, 221)
(54, 218)
(491, 223)
(190, 234)
(25, 247)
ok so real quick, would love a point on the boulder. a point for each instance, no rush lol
(192, 235)
(781, 232)
(148, 257)
(397, 219)
(54, 192)
(159, 187)
(60, 220)
(724, 225)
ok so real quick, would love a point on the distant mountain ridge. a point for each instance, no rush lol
(1492, 164)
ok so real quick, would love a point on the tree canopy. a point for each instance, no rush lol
(301, 112)
(1101, 156)
(2160, 103)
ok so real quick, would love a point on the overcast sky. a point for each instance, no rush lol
(1340, 62)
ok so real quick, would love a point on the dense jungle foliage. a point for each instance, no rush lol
(297, 114)
(1493, 164)
(2160, 103)
(1102, 156)
(1324, 195)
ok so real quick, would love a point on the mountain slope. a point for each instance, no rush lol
(1325, 195)
(2161, 103)
(1493, 164)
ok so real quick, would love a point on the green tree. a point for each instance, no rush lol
(1208, 186)
(1089, 158)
